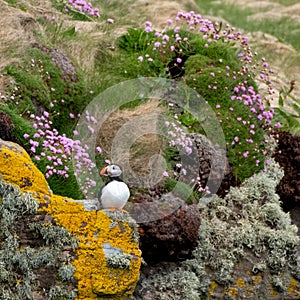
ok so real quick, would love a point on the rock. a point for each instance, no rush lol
(6, 127)
(221, 178)
(247, 249)
(67, 251)
(172, 237)
(287, 154)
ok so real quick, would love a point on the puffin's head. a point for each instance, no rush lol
(111, 171)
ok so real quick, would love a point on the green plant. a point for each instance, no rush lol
(44, 85)
(289, 117)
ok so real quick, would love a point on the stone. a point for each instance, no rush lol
(85, 233)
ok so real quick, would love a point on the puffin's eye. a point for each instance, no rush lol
(113, 168)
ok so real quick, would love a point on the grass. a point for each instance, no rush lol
(284, 28)
(103, 59)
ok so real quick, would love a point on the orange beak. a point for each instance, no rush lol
(104, 171)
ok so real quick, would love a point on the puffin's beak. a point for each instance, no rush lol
(104, 171)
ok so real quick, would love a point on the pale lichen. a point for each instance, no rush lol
(62, 224)
(247, 248)
(21, 260)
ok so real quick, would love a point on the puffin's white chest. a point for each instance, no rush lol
(114, 195)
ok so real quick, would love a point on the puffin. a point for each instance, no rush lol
(115, 193)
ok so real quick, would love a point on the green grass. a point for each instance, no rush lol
(116, 61)
(284, 29)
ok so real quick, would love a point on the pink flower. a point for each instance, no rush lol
(179, 60)
(165, 174)
(26, 136)
(166, 37)
(71, 116)
(246, 154)
(110, 21)
(99, 150)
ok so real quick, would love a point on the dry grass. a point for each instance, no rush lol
(141, 154)
(16, 32)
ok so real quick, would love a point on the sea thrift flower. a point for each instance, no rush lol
(165, 174)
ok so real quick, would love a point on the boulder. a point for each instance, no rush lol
(54, 247)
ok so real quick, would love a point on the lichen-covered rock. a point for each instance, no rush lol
(247, 249)
(96, 252)
(247, 246)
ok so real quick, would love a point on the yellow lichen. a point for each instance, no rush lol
(294, 287)
(213, 285)
(240, 283)
(92, 228)
(17, 168)
(256, 279)
(233, 292)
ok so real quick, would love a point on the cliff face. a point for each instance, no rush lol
(53, 247)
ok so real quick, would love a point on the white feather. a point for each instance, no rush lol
(114, 195)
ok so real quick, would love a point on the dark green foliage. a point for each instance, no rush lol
(136, 40)
(21, 126)
(198, 76)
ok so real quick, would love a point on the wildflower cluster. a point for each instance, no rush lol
(57, 149)
(199, 189)
(81, 6)
(179, 138)
(176, 48)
